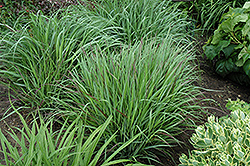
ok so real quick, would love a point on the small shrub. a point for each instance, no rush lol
(224, 141)
(229, 46)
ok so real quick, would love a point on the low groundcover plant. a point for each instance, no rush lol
(224, 141)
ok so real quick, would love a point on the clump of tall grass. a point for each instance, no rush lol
(34, 59)
(133, 20)
(147, 88)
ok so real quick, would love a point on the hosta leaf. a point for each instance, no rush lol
(239, 62)
(240, 46)
(242, 52)
(208, 141)
(229, 50)
(227, 162)
(246, 5)
(248, 36)
(246, 29)
(201, 144)
(195, 163)
(237, 157)
(227, 26)
(230, 23)
(230, 159)
(246, 68)
(219, 147)
(226, 66)
(211, 163)
(248, 158)
(183, 159)
(242, 57)
(247, 142)
(242, 116)
(222, 138)
(240, 139)
(240, 154)
(197, 152)
(236, 11)
(218, 36)
(210, 133)
(210, 51)
(222, 44)
(240, 18)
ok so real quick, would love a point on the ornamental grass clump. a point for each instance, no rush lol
(224, 141)
(147, 88)
(133, 20)
(35, 58)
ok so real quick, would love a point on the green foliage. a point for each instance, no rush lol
(35, 59)
(229, 45)
(135, 65)
(224, 141)
(207, 13)
(40, 145)
(135, 20)
(238, 105)
(147, 88)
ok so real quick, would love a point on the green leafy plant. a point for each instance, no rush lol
(224, 141)
(229, 46)
(70, 145)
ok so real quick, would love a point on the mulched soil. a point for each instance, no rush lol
(220, 91)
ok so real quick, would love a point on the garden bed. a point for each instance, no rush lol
(81, 68)
(220, 90)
